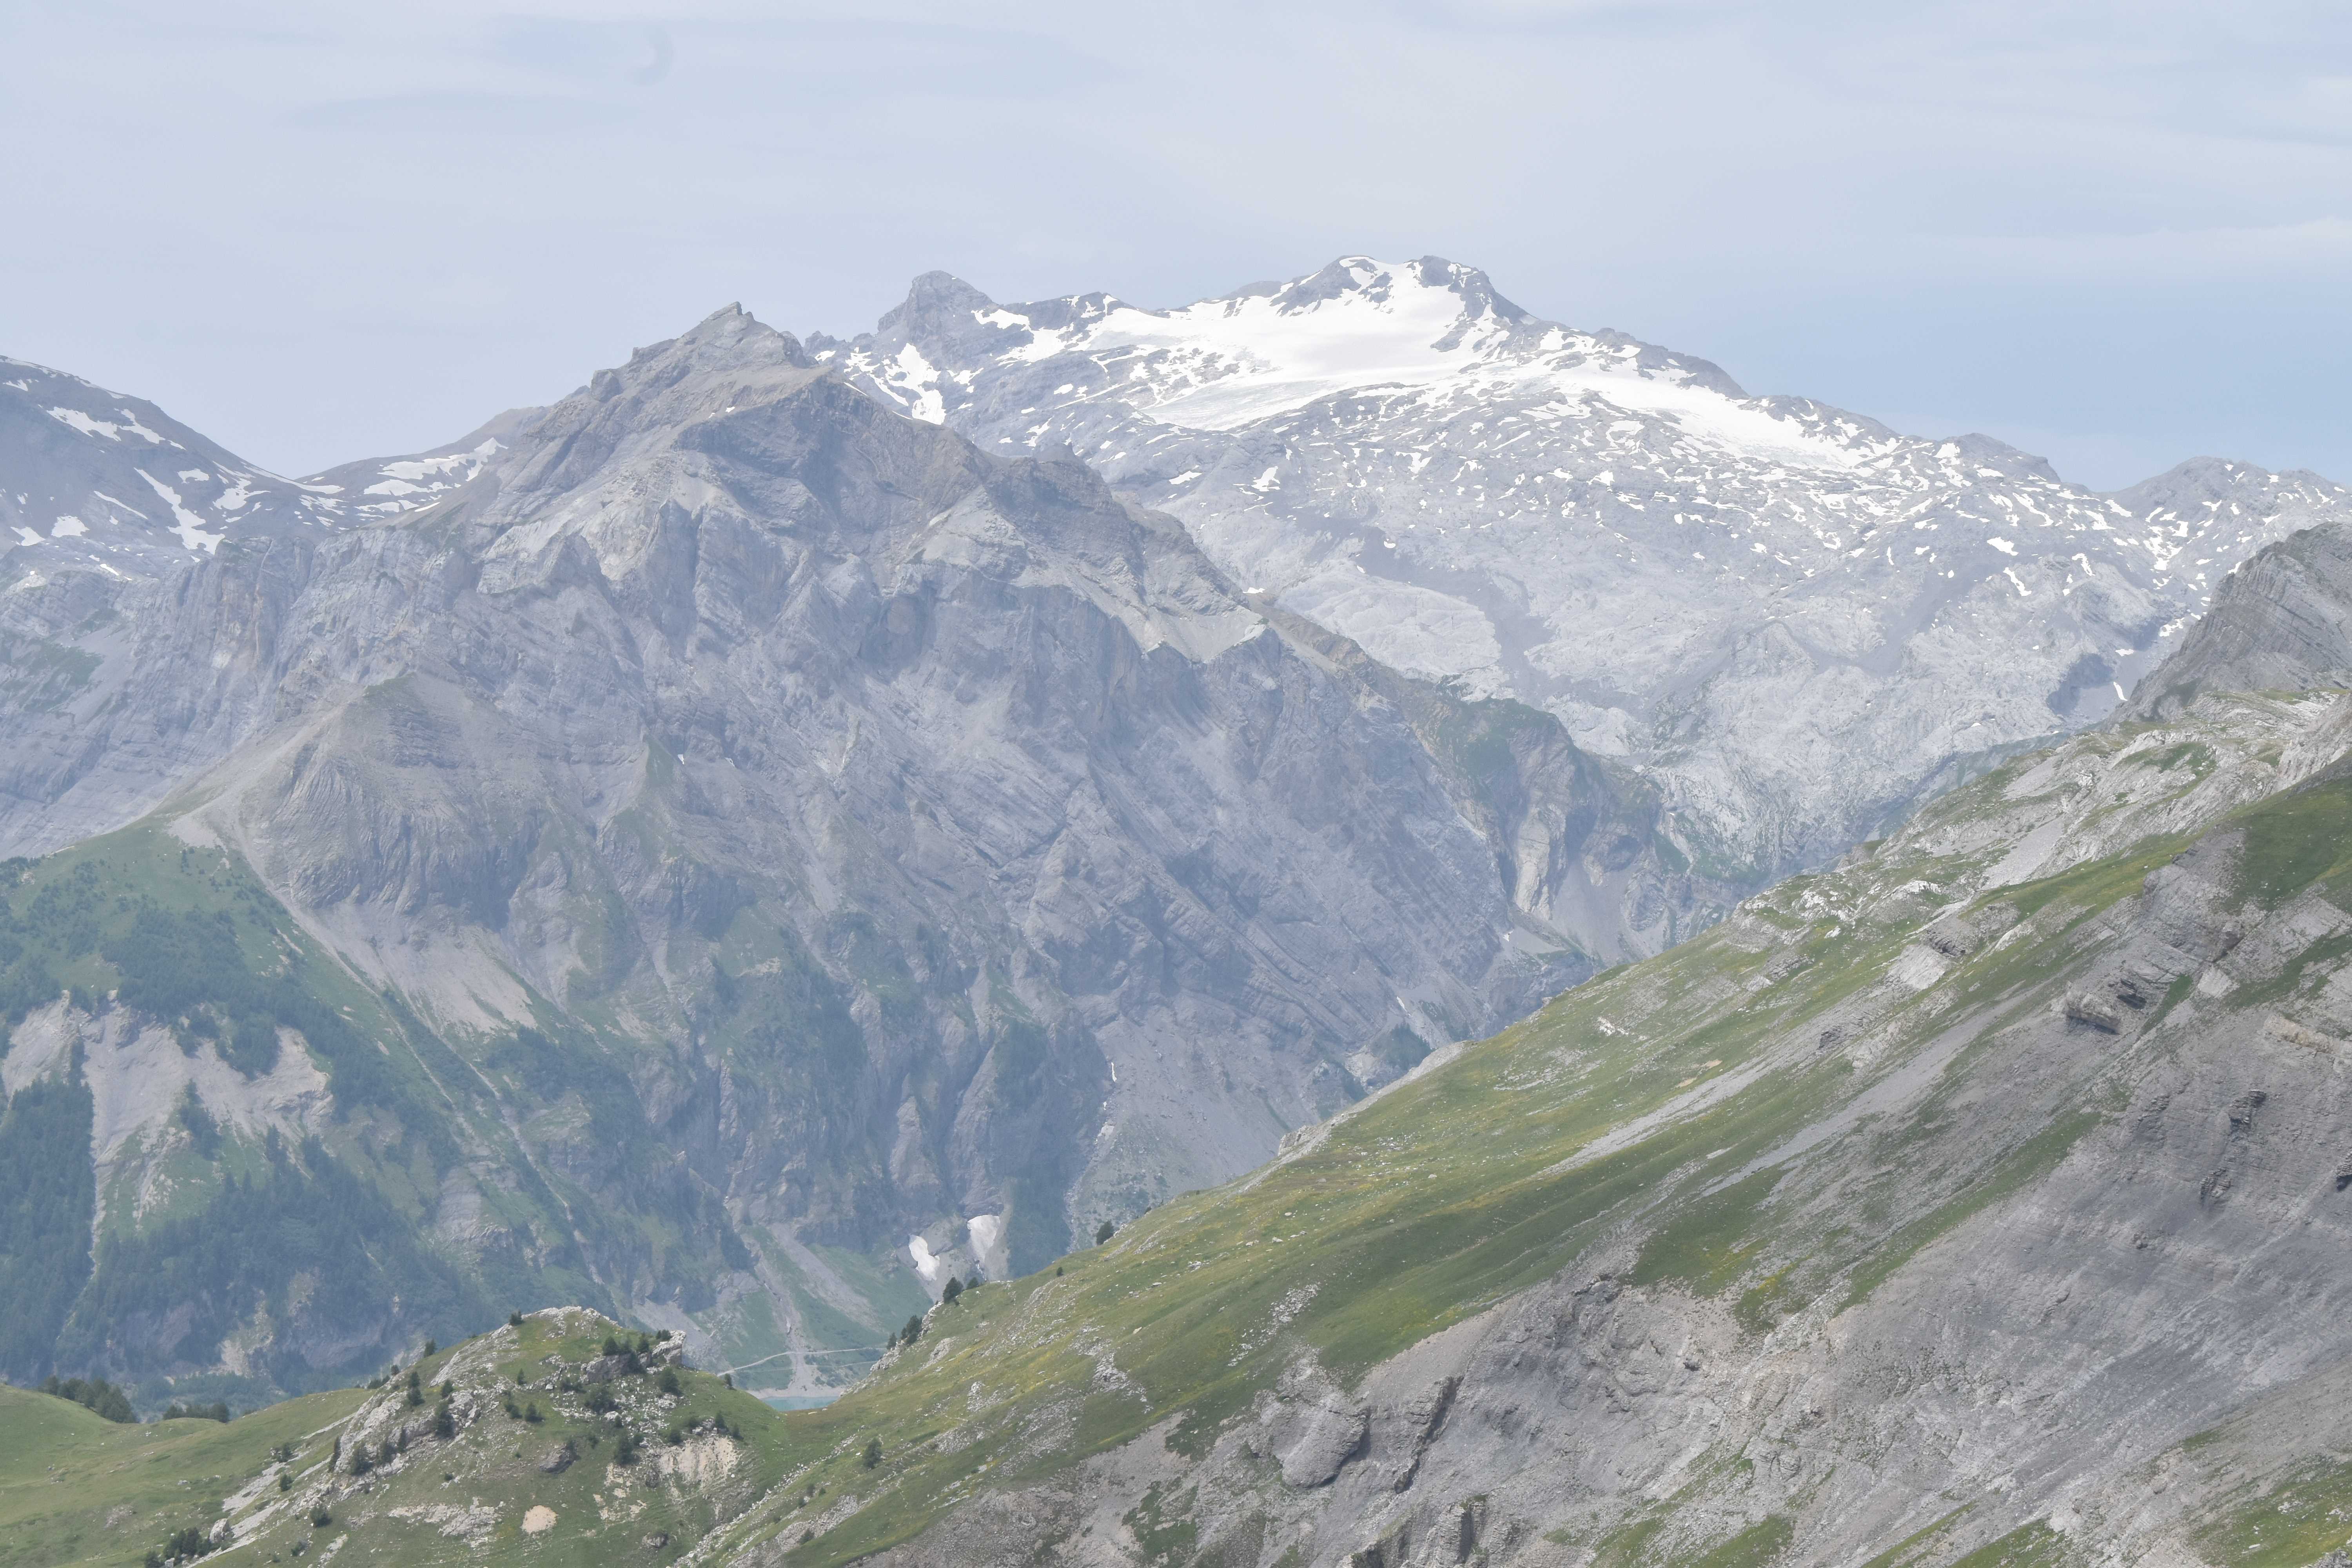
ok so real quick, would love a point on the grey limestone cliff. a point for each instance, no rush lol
(2283, 622)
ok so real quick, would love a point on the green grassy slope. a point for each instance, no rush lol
(623, 1469)
(75, 1489)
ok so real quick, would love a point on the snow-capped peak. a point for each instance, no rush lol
(1791, 614)
(1357, 324)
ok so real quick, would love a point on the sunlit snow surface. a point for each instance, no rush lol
(1226, 364)
(987, 1234)
(930, 1270)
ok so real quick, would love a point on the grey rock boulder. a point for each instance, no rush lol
(1311, 1427)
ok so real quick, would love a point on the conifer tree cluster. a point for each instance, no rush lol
(95, 1394)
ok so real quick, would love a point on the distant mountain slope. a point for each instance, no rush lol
(113, 483)
(768, 853)
(1983, 1199)
(386, 486)
(1792, 617)
(2283, 622)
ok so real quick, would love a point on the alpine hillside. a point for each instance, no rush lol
(1982, 1200)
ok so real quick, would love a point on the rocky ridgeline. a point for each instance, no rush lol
(559, 1428)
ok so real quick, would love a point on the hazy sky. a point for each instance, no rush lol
(2117, 235)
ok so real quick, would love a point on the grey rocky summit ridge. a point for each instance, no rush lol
(2282, 623)
(1793, 618)
(823, 852)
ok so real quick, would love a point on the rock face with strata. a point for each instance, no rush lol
(2281, 623)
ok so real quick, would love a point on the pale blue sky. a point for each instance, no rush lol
(2117, 235)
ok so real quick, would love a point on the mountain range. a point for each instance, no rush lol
(729, 856)
(1793, 619)
(795, 821)
(1978, 1200)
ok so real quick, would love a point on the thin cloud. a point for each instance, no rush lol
(2320, 247)
(460, 113)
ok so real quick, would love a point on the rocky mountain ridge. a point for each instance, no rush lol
(112, 484)
(1795, 620)
(93, 479)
